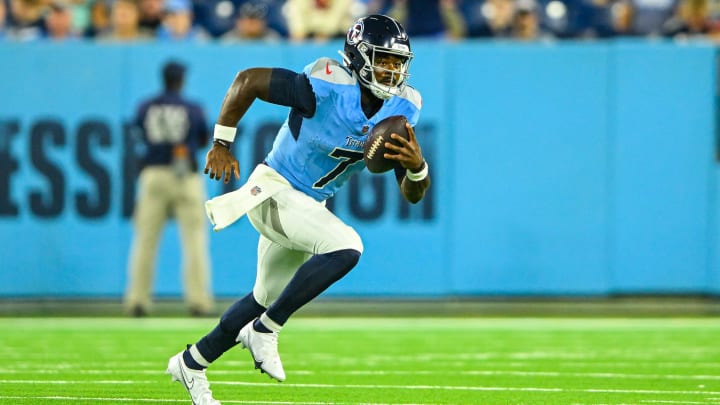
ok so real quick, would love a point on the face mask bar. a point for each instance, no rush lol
(380, 90)
(366, 75)
(401, 74)
(398, 77)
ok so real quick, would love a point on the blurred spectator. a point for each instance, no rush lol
(59, 22)
(151, 14)
(124, 23)
(598, 19)
(489, 18)
(80, 15)
(622, 17)
(251, 25)
(3, 16)
(691, 19)
(216, 16)
(319, 20)
(429, 18)
(650, 15)
(178, 23)
(99, 18)
(276, 16)
(526, 23)
(576, 18)
(25, 20)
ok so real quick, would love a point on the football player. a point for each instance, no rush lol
(304, 248)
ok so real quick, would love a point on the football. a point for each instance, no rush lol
(374, 149)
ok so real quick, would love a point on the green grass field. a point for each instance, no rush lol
(479, 361)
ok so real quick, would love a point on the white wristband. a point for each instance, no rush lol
(224, 133)
(419, 176)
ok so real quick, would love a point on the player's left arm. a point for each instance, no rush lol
(412, 174)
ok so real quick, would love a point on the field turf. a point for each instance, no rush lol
(478, 361)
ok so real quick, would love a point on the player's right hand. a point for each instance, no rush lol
(220, 161)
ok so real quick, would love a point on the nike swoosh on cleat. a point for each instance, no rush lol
(189, 383)
(327, 68)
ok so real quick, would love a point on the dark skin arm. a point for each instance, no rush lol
(410, 157)
(247, 86)
(254, 83)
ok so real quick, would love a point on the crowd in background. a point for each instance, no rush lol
(322, 20)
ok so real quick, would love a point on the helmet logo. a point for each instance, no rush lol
(355, 33)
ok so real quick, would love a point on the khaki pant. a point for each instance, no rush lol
(161, 196)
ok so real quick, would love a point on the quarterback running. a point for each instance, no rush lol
(303, 247)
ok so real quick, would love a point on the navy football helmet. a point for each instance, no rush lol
(370, 37)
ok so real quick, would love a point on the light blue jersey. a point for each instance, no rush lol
(329, 146)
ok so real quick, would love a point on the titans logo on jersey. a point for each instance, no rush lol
(328, 148)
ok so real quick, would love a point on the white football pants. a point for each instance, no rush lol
(293, 227)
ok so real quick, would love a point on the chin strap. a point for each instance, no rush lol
(345, 58)
(377, 92)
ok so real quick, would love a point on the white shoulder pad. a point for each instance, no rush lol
(412, 95)
(330, 70)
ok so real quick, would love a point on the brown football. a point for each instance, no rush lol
(374, 149)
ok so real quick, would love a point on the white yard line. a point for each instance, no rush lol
(650, 401)
(64, 370)
(381, 386)
(162, 400)
(359, 323)
(184, 401)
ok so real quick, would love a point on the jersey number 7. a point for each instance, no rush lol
(346, 157)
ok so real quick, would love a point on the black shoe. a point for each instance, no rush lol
(196, 312)
(138, 312)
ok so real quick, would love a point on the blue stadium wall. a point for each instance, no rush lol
(559, 169)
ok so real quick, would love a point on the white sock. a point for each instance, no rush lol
(269, 323)
(199, 359)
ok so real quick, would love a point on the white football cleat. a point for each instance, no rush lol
(195, 381)
(264, 350)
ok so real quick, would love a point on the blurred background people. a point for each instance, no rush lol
(526, 23)
(251, 25)
(216, 16)
(3, 16)
(622, 19)
(25, 20)
(323, 20)
(429, 18)
(173, 129)
(98, 18)
(691, 19)
(650, 15)
(150, 14)
(489, 18)
(178, 23)
(124, 23)
(58, 22)
(318, 20)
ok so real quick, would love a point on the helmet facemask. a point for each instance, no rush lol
(368, 74)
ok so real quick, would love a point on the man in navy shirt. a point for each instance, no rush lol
(172, 129)
(303, 247)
